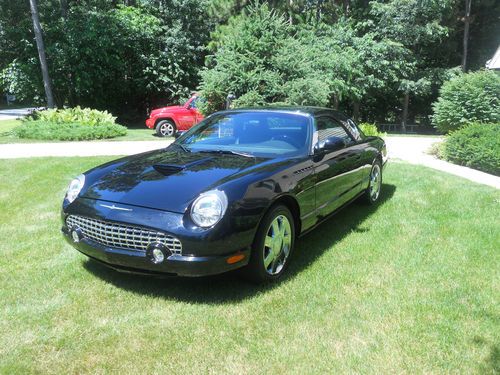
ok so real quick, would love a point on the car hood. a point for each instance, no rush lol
(165, 109)
(163, 179)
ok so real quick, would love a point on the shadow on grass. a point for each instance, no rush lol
(491, 364)
(228, 287)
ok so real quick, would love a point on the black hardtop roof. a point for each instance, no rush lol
(308, 110)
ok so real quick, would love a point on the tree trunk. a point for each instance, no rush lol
(335, 101)
(355, 110)
(347, 7)
(41, 54)
(468, 4)
(404, 119)
(64, 9)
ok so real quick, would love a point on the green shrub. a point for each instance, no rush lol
(476, 146)
(370, 130)
(84, 116)
(73, 131)
(469, 98)
(436, 149)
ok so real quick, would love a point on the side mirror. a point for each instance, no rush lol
(330, 144)
(178, 134)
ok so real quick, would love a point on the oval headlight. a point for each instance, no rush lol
(209, 208)
(74, 188)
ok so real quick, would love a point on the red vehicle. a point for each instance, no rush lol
(167, 120)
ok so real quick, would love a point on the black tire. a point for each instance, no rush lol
(371, 196)
(165, 128)
(256, 270)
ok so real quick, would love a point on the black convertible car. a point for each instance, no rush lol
(234, 191)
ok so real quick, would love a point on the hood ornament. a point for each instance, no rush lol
(113, 207)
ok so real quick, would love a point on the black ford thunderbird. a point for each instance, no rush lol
(235, 191)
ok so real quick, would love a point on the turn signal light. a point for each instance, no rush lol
(235, 258)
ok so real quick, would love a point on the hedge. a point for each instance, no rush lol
(476, 146)
(74, 131)
(469, 98)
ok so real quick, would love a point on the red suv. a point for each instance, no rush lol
(167, 120)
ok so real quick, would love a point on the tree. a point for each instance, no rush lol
(468, 98)
(41, 54)
(468, 4)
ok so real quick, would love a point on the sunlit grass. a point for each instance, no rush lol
(411, 286)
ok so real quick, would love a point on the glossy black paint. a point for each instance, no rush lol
(159, 187)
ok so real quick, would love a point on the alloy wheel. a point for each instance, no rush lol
(375, 182)
(277, 245)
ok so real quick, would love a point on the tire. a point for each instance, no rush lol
(372, 193)
(165, 128)
(272, 247)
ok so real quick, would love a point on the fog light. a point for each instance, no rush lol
(76, 234)
(158, 256)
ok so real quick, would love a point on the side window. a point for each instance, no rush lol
(327, 127)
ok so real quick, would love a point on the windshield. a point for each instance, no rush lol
(263, 133)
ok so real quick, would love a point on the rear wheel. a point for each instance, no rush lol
(372, 194)
(165, 128)
(272, 247)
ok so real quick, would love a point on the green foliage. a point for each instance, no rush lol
(436, 149)
(71, 131)
(128, 55)
(472, 97)
(476, 146)
(84, 116)
(261, 58)
(246, 63)
(371, 130)
(105, 54)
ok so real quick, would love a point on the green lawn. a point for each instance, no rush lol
(133, 134)
(411, 286)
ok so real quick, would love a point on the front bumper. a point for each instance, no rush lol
(204, 252)
(139, 262)
(150, 123)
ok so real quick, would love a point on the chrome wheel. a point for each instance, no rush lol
(277, 245)
(167, 129)
(375, 182)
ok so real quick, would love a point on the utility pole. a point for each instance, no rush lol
(41, 53)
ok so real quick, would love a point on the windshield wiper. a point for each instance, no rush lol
(182, 147)
(228, 152)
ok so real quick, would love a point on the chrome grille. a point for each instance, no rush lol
(122, 236)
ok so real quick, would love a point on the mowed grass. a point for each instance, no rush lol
(133, 134)
(411, 286)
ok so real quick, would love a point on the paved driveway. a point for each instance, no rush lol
(413, 150)
(410, 149)
(12, 114)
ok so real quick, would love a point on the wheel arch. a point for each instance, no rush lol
(165, 118)
(291, 203)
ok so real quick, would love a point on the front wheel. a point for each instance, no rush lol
(372, 194)
(165, 128)
(272, 247)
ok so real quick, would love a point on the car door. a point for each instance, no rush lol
(337, 177)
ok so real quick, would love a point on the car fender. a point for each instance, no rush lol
(168, 118)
